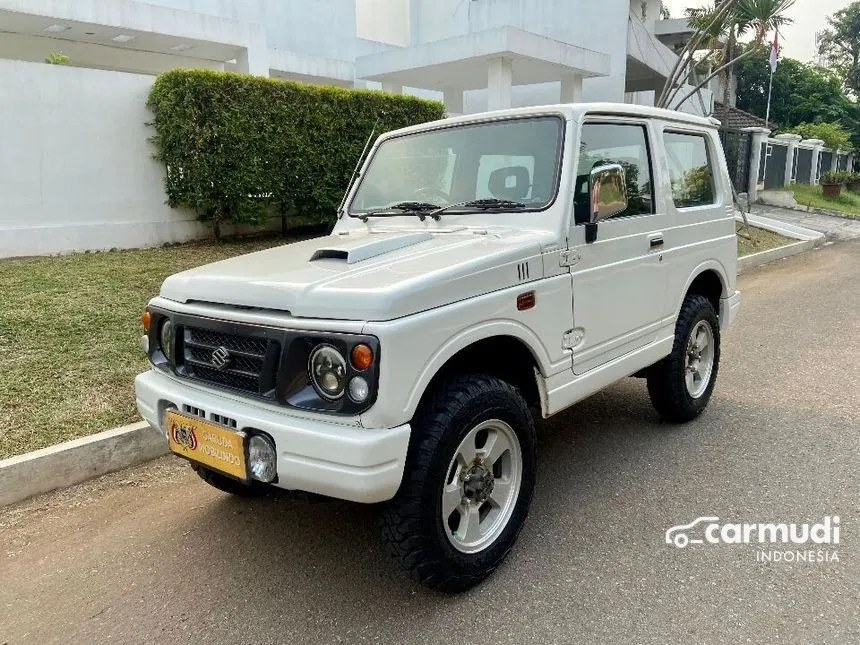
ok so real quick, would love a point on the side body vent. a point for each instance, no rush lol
(523, 271)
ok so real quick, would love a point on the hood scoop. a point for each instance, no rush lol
(366, 248)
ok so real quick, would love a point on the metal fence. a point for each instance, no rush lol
(737, 146)
(774, 176)
(804, 166)
(825, 162)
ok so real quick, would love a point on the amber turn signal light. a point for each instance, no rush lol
(361, 357)
(526, 300)
(145, 319)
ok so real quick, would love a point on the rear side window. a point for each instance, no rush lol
(615, 143)
(690, 169)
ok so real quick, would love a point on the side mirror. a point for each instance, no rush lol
(607, 194)
(608, 191)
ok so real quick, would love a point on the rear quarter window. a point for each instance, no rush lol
(691, 169)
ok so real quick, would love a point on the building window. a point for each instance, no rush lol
(690, 169)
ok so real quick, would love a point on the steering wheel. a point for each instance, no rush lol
(434, 195)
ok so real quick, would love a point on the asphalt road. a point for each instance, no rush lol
(152, 555)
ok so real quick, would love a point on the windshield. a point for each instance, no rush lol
(514, 160)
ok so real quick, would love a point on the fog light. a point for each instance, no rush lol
(358, 389)
(262, 458)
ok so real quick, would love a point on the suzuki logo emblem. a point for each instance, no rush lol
(220, 357)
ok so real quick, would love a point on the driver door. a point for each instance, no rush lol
(620, 279)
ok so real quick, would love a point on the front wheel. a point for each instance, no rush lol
(467, 486)
(681, 384)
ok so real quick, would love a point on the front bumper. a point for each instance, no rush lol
(336, 460)
(729, 308)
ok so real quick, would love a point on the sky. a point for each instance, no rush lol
(798, 39)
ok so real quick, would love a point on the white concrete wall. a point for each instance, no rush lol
(76, 169)
(652, 12)
(314, 27)
(600, 26)
(385, 21)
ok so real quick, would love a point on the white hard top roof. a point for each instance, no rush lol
(575, 111)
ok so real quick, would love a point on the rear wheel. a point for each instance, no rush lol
(467, 486)
(681, 384)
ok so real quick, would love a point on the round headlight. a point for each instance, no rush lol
(262, 458)
(328, 371)
(166, 339)
(358, 389)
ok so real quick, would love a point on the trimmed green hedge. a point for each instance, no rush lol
(240, 148)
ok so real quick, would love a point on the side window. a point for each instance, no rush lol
(605, 143)
(690, 169)
(505, 177)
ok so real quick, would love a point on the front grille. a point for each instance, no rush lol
(243, 363)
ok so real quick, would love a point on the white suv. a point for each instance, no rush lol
(483, 269)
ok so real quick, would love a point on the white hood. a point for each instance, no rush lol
(364, 275)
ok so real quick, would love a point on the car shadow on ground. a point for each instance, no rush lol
(323, 547)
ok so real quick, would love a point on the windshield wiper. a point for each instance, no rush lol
(421, 209)
(426, 209)
(481, 204)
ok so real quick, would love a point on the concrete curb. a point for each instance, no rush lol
(808, 240)
(748, 262)
(78, 460)
(783, 228)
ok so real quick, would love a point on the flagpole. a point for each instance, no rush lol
(774, 57)
(769, 93)
(767, 125)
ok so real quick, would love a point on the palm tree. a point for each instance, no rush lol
(721, 27)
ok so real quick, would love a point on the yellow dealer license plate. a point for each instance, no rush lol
(206, 443)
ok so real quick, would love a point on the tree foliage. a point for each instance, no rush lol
(833, 134)
(801, 94)
(239, 148)
(840, 42)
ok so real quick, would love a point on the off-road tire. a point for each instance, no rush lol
(412, 528)
(666, 385)
(228, 484)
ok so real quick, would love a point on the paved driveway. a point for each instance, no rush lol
(151, 555)
(834, 228)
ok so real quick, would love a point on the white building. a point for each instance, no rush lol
(76, 168)
(478, 54)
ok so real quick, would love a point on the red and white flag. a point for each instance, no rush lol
(774, 52)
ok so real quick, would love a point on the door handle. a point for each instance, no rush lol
(655, 240)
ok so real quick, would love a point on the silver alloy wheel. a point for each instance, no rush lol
(699, 359)
(482, 486)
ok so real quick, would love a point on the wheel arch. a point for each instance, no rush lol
(708, 279)
(505, 349)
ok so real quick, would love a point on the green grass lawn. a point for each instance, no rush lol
(762, 240)
(70, 328)
(807, 195)
(69, 337)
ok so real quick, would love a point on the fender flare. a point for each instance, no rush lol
(469, 336)
(713, 265)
